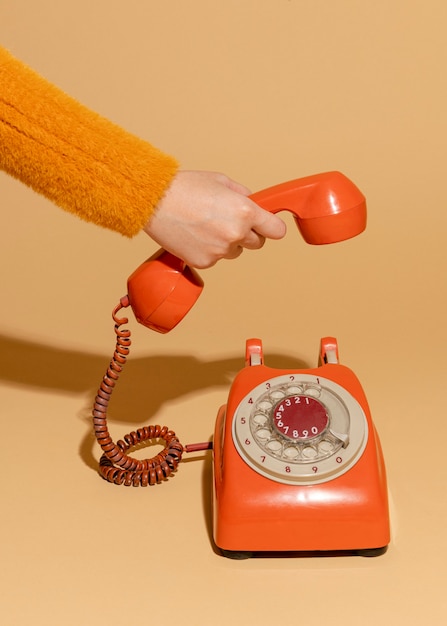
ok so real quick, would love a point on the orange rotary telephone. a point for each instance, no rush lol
(297, 461)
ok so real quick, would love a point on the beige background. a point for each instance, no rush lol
(264, 90)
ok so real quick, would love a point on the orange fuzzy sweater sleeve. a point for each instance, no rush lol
(76, 158)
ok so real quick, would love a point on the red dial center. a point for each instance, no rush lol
(300, 417)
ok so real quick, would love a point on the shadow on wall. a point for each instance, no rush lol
(144, 386)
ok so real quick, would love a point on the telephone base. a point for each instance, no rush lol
(242, 556)
(269, 498)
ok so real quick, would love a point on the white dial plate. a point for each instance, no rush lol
(300, 429)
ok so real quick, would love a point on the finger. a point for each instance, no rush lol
(233, 253)
(268, 225)
(253, 241)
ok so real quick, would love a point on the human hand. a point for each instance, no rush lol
(206, 216)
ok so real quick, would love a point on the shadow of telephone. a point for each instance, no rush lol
(297, 462)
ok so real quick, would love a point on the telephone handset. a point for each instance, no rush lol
(326, 207)
(296, 459)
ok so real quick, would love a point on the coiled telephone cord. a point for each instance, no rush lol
(115, 465)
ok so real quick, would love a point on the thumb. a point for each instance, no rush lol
(268, 225)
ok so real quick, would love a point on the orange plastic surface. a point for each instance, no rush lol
(162, 290)
(327, 207)
(253, 349)
(327, 344)
(255, 514)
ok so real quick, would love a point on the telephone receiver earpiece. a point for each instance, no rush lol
(327, 208)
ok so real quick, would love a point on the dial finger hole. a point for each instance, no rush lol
(260, 419)
(274, 445)
(312, 391)
(263, 433)
(277, 394)
(291, 453)
(309, 452)
(295, 389)
(325, 446)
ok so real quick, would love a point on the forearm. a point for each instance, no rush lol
(79, 160)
